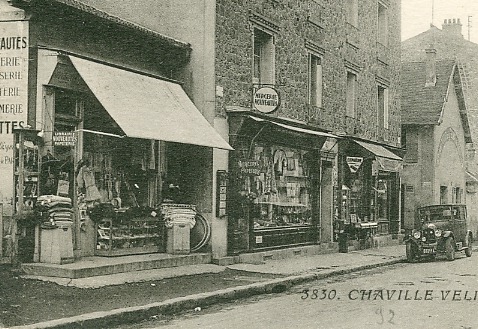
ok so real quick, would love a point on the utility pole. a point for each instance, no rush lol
(469, 26)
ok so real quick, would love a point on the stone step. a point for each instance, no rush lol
(96, 266)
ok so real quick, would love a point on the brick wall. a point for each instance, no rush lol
(322, 23)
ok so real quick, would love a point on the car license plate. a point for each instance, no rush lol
(428, 250)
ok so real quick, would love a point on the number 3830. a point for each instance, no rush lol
(320, 294)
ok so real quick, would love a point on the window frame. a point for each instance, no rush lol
(315, 79)
(263, 65)
(351, 12)
(382, 23)
(351, 94)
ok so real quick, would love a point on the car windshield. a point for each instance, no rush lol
(435, 214)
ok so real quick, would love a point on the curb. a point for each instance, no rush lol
(137, 313)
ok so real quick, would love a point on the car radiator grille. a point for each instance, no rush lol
(429, 235)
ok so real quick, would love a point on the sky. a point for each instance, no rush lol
(417, 16)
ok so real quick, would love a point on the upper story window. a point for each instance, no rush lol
(66, 104)
(264, 58)
(315, 80)
(382, 26)
(351, 94)
(382, 107)
(410, 142)
(351, 7)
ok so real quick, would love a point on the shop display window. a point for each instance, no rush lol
(277, 182)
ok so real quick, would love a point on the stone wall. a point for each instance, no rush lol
(321, 24)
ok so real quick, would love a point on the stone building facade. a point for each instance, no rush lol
(334, 68)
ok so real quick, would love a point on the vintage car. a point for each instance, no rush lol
(441, 230)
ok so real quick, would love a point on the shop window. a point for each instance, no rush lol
(276, 186)
(351, 94)
(382, 199)
(382, 107)
(315, 80)
(382, 26)
(264, 58)
(351, 7)
(443, 194)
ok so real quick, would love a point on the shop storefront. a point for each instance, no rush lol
(117, 161)
(277, 176)
(368, 201)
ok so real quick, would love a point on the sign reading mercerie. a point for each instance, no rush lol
(266, 99)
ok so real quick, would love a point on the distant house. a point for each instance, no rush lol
(450, 44)
(435, 132)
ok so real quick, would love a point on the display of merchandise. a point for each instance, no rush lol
(125, 234)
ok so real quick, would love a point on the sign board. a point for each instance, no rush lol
(354, 163)
(250, 167)
(266, 99)
(14, 45)
(64, 138)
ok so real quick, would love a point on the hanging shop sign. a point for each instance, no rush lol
(266, 99)
(250, 167)
(64, 138)
(354, 163)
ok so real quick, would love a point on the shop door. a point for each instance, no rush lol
(326, 202)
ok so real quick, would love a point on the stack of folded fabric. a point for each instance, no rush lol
(53, 208)
(179, 215)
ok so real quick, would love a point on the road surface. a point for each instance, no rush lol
(439, 294)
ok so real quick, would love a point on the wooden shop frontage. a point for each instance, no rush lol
(112, 158)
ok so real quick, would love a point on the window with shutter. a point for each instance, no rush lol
(382, 27)
(382, 107)
(411, 143)
(264, 58)
(351, 94)
(351, 7)
(315, 81)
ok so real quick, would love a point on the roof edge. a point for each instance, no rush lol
(106, 16)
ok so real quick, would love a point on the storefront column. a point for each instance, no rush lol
(219, 223)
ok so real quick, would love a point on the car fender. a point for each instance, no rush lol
(447, 234)
(469, 233)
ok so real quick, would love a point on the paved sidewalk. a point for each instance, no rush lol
(325, 262)
(296, 270)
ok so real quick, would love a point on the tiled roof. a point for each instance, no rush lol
(114, 19)
(420, 104)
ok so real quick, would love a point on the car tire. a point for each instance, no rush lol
(450, 248)
(469, 246)
(411, 252)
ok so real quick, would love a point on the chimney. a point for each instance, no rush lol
(452, 27)
(430, 67)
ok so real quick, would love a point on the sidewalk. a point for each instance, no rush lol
(99, 302)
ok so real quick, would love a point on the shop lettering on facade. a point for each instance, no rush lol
(64, 138)
(250, 167)
(13, 96)
(266, 100)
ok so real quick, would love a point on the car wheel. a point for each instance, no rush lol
(450, 248)
(469, 245)
(410, 252)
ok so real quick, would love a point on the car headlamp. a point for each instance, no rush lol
(416, 234)
(438, 233)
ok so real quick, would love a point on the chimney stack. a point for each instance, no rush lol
(430, 67)
(452, 27)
